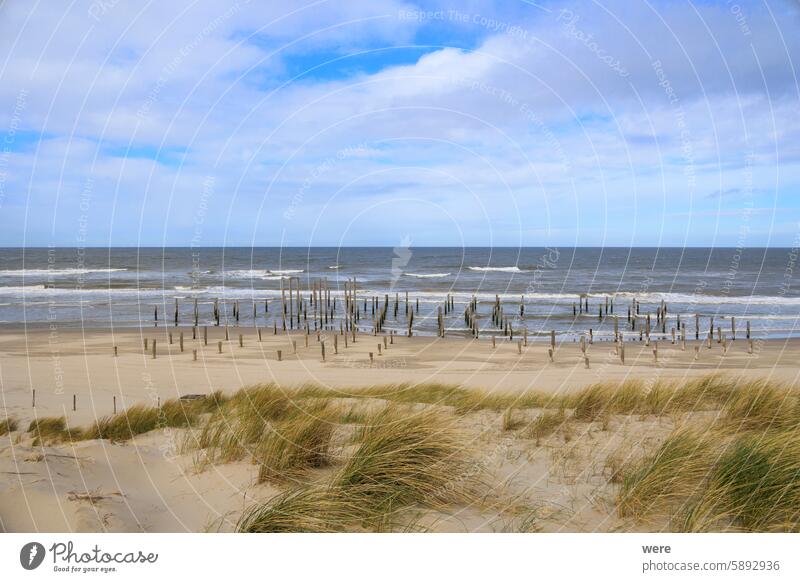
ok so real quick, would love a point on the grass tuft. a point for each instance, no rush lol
(295, 444)
(8, 425)
(403, 458)
(52, 429)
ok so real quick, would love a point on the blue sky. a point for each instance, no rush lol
(366, 122)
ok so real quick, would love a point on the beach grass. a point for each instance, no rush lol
(545, 424)
(741, 472)
(730, 463)
(8, 424)
(296, 443)
(52, 429)
(403, 458)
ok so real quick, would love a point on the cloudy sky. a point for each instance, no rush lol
(368, 121)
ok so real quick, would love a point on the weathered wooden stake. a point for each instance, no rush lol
(280, 355)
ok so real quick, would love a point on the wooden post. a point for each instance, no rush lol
(748, 329)
(145, 345)
(115, 351)
(494, 344)
(33, 399)
(241, 341)
(553, 339)
(583, 344)
(733, 328)
(205, 335)
(322, 347)
(180, 339)
(219, 347)
(380, 353)
(258, 330)
(115, 404)
(622, 353)
(154, 348)
(74, 403)
(294, 346)
(335, 344)
(370, 358)
(194, 355)
(170, 338)
(280, 355)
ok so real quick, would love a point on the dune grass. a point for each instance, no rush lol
(140, 418)
(9, 424)
(545, 424)
(137, 419)
(511, 420)
(52, 429)
(740, 470)
(299, 442)
(312, 509)
(403, 458)
(666, 480)
(719, 480)
(406, 457)
(753, 486)
(763, 405)
(462, 400)
(235, 428)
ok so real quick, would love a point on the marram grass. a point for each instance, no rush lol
(7, 425)
(404, 458)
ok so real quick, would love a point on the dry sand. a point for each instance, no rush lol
(144, 485)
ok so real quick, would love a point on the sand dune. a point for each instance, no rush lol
(554, 481)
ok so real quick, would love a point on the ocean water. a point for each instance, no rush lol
(72, 287)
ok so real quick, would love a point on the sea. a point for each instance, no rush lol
(121, 287)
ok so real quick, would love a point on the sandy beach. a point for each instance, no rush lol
(149, 483)
(73, 362)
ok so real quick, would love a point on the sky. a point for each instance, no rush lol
(370, 122)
